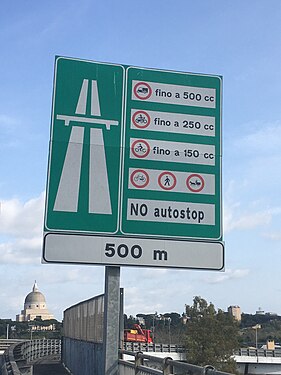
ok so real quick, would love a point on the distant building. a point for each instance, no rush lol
(235, 311)
(260, 311)
(271, 314)
(141, 320)
(184, 319)
(34, 307)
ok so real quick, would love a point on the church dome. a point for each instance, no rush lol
(34, 307)
(35, 296)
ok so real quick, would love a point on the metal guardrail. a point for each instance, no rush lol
(5, 343)
(145, 364)
(252, 352)
(18, 357)
(32, 350)
(12, 362)
(144, 347)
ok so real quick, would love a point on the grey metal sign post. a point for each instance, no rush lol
(111, 320)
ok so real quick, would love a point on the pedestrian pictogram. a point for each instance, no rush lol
(195, 183)
(139, 178)
(142, 90)
(167, 180)
(141, 119)
(140, 148)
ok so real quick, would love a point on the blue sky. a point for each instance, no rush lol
(239, 40)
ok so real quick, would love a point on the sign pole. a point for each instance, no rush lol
(111, 320)
(121, 319)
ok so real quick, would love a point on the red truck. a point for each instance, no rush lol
(137, 334)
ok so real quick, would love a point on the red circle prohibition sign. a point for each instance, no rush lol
(135, 178)
(142, 88)
(165, 187)
(138, 150)
(141, 119)
(196, 186)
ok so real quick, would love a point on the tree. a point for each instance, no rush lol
(212, 336)
(129, 321)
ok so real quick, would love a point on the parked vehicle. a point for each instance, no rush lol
(138, 334)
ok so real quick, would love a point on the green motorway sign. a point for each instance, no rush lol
(135, 153)
(172, 161)
(85, 153)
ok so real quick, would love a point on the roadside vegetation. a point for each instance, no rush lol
(36, 329)
(210, 336)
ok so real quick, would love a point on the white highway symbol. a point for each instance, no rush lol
(68, 189)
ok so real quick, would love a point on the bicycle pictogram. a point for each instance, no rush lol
(139, 178)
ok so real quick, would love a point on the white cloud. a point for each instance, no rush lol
(7, 122)
(22, 219)
(227, 275)
(154, 273)
(274, 236)
(265, 138)
(65, 274)
(251, 196)
(236, 217)
(21, 227)
(134, 300)
(253, 159)
(9, 134)
(23, 251)
(248, 220)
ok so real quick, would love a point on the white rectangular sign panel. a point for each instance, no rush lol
(133, 252)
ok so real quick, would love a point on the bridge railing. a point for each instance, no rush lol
(14, 363)
(252, 352)
(145, 347)
(5, 343)
(32, 350)
(146, 364)
(18, 357)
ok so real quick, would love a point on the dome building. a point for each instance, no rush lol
(34, 307)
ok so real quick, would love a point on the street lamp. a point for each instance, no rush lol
(30, 327)
(169, 327)
(154, 317)
(256, 327)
